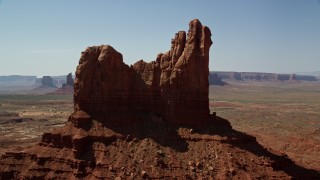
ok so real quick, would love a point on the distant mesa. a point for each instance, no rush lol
(307, 78)
(257, 76)
(46, 84)
(47, 81)
(214, 79)
(17, 80)
(57, 81)
(12, 78)
(311, 73)
(20, 84)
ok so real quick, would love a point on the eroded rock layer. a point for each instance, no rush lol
(174, 86)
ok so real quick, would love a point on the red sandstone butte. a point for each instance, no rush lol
(125, 124)
(173, 87)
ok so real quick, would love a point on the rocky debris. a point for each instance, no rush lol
(80, 119)
(144, 174)
(102, 153)
(214, 79)
(133, 122)
(174, 87)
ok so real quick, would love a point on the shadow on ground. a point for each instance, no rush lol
(168, 136)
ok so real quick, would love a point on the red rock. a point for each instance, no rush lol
(80, 119)
(135, 99)
(175, 86)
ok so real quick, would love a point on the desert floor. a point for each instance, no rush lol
(283, 116)
(24, 118)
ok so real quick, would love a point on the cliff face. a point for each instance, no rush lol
(174, 87)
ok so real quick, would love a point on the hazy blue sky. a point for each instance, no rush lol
(40, 37)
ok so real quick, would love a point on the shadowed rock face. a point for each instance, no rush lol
(174, 86)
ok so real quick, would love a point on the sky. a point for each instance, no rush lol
(46, 37)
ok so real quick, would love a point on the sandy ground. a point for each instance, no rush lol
(283, 117)
(24, 118)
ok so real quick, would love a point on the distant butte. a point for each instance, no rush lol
(67, 88)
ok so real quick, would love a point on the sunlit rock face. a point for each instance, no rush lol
(173, 87)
